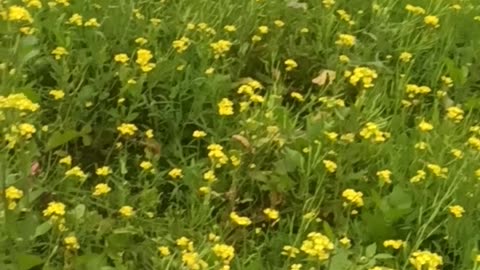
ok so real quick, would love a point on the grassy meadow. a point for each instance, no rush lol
(239, 134)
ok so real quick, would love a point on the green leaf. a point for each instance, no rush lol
(27, 261)
(79, 211)
(58, 138)
(399, 198)
(293, 159)
(42, 229)
(340, 261)
(371, 250)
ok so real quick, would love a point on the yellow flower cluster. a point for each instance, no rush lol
(143, 60)
(414, 90)
(126, 211)
(290, 251)
(317, 246)
(176, 173)
(362, 75)
(290, 64)
(346, 40)
(220, 48)
(59, 52)
(456, 210)
(239, 220)
(353, 197)
(181, 45)
(395, 244)
(225, 107)
(425, 260)
(437, 170)
(224, 252)
(384, 176)
(18, 102)
(77, 172)
(19, 14)
(455, 114)
(54, 209)
(371, 131)
(126, 129)
(421, 175)
(248, 89)
(12, 195)
(101, 189)
(330, 166)
(417, 10)
(71, 243)
(344, 16)
(216, 155)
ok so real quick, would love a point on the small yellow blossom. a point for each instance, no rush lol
(330, 166)
(395, 244)
(92, 23)
(77, 172)
(59, 52)
(353, 197)
(420, 176)
(71, 243)
(297, 96)
(456, 210)
(230, 28)
(175, 173)
(126, 211)
(164, 251)
(121, 58)
(384, 176)
(101, 189)
(57, 94)
(103, 171)
(346, 40)
(317, 246)
(290, 64)
(181, 45)
(54, 209)
(224, 252)
(146, 165)
(239, 220)
(126, 129)
(198, 134)
(432, 21)
(66, 160)
(290, 251)
(405, 57)
(425, 126)
(225, 107)
(271, 214)
(425, 260)
(263, 29)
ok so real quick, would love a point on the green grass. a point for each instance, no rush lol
(334, 134)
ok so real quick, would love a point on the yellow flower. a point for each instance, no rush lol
(76, 19)
(209, 71)
(348, 137)
(126, 211)
(101, 189)
(290, 64)
(345, 241)
(57, 94)
(54, 209)
(146, 165)
(184, 243)
(344, 59)
(474, 142)
(12, 195)
(149, 133)
(198, 134)
(103, 171)
(181, 45)
(432, 21)
(216, 155)
(239, 220)
(395, 244)
(263, 29)
(279, 23)
(405, 57)
(332, 136)
(235, 161)
(425, 126)
(143, 57)
(92, 23)
(27, 30)
(455, 114)
(66, 160)
(225, 107)
(71, 243)
(164, 251)
(447, 81)
(121, 58)
(328, 3)
(77, 172)
(437, 170)
(297, 96)
(353, 197)
(230, 28)
(18, 14)
(224, 252)
(155, 21)
(26, 130)
(346, 40)
(220, 48)
(59, 52)
(34, 3)
(421, 174)
(298, 266)
(126, 129)
(330, 166)
(175, 173)
(416, 10)
(363, 75)
(456, 210)
(290, 251)
(209, 176)
(425, 260)
(317, 246)
(457, 153)
(421, 145)
(384, 176)
(141, 41)
(271, 214)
